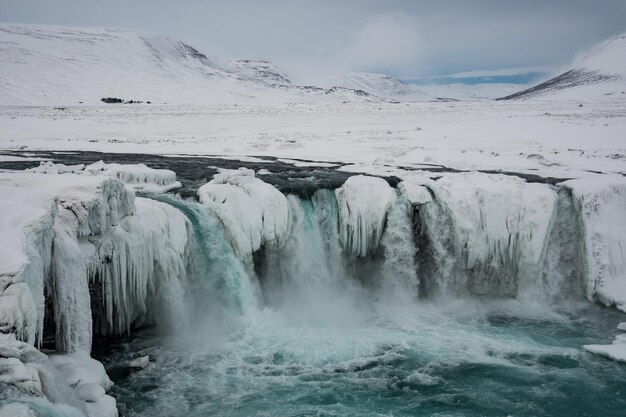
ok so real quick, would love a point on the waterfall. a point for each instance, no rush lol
(437, 246)
(310, 263)
(221, 276)
(399, 271)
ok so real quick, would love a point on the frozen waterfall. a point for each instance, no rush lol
(91, 256)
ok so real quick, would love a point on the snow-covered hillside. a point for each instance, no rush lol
(600, 72)
(54, 65)
(378, 85)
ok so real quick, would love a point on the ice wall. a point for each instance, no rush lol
(363, 203)
(138, 176)
(601, 206)
(76, 229)
(62, 234)
(486, 234)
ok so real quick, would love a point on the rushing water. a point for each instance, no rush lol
(468, 358)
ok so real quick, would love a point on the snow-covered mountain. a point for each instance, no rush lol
(600, 72)
(42, 65)
(259, 71)
(379, 85)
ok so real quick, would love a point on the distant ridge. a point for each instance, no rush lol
(601, 72)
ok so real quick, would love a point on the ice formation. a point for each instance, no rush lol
(138, 176)
(363, 205)
(502, 224)
(68, 385)
(254, 212)
(601, 204)
(43, 207)
(65, 236)
(485, 234)
(142, 264)
(615, 351)
(89, 382)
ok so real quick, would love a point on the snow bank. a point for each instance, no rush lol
(363, 205)
(601, 204)
(89, 381)
(501, 225)
(138, 176)
(254, 212)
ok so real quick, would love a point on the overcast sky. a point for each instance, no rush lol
(401, 37)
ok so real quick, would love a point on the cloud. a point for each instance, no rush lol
(401, 37)
(388, 42)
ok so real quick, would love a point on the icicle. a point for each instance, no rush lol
(69, 285)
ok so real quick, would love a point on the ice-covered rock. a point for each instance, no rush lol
(363, 205)
(90, 392)
(90, 382)
(254, 212)
(601, 204)
(138, 176)
(22, 375)
(16, 410)
(139, 363)
(104, 407)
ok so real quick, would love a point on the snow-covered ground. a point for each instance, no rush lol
(553, 138)
(251, 108)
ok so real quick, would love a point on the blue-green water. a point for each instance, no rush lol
(464, 358)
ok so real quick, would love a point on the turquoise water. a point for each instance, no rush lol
(465, 358)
